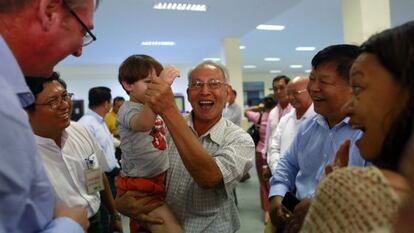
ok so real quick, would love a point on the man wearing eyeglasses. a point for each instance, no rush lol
(208, 154)
(302, 165)
(34, 36)
(73, 160)
(286, 130)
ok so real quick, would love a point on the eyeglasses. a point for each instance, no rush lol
(296, 93)
(56, 101)
(89, 37)
(211, 84)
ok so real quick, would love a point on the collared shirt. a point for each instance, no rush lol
(66, 167)
(210, 210)
(314, 147)
(233, 113)
(110, 120)
(274, 116)
(285, 133)
(97, 127)
(26, 199)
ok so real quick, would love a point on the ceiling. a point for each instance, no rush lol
(121, 26)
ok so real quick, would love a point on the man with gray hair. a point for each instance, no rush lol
(208, 154)
(34, 36)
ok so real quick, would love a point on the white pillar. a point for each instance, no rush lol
(363, 18)
(231, 59)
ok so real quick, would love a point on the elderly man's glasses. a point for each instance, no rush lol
(211, 84)
(56, 101)
(89, 37)
(295, 93)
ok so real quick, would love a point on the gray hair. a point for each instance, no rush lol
(219, 66)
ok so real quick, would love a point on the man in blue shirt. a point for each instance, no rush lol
(303, 165)
(34, 37)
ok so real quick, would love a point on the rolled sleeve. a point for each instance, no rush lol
(235, 159)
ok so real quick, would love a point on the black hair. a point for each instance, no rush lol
(394, 48)
(119, 98)
(36, 85)
(281, 77)
(269, 102)
(98, 96)
(341, 54)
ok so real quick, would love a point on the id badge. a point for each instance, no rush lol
(94, 182)
(93, 175)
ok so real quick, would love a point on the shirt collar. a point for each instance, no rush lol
(95, 115)
(50, 143)
(321, 120)
(216, 133)
(309, 112)
(13, 75)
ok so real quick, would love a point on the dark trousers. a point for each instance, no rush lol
(102, 210)
(95, 224)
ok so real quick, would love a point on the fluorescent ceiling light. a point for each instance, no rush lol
(249, 66)
(272, 59)
(275, 71)
(308, 71)
(242, 47)
(180, 6)
(305, 48)
(158, 43)
(270, 27)
(211, 59)
(295, 66)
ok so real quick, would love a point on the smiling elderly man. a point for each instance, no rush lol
(208, 154)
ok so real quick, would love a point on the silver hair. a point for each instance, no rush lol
(219, 66)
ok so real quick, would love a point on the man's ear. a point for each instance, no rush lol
(49, 12)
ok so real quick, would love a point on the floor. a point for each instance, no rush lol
(251, 216)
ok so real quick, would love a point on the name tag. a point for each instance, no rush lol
(94, 182)
(93, 175)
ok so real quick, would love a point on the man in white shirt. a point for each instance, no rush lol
(99, 105)
(287, 128)
(70, 155)
(94, 120)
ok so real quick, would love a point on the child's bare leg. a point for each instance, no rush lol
(170, 224)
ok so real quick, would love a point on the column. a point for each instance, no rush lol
(363, 18)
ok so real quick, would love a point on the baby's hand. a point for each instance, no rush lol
(169, 74)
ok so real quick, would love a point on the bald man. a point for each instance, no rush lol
(288, 126)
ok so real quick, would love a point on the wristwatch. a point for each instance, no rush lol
(115, 217)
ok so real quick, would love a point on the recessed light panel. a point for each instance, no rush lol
(275, 71)
(305, 48)
(158, 43)
(211, 59)
(270, 27)
(272, 59)
(180, 6)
